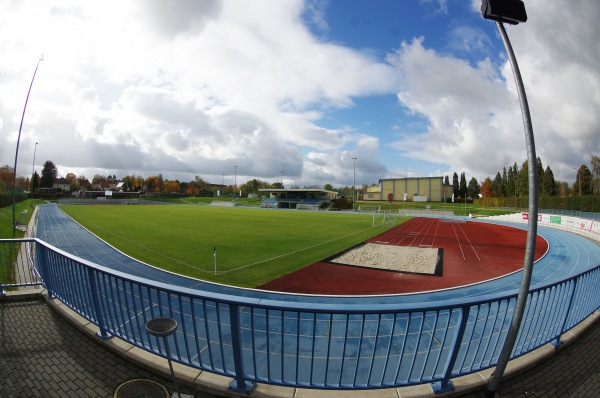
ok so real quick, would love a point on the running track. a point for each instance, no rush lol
(567, 254)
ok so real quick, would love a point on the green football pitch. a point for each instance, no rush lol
(237, 246)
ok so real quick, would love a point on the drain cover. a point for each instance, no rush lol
(141, 388)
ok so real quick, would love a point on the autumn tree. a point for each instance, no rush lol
(49, 173)
(171, 186)
(6, 177)
(487, 189)
(70, 177)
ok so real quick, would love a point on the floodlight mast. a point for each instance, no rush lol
(513, 12)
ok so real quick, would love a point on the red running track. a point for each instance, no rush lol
(473, 252)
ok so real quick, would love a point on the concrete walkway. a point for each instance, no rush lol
(43, 355)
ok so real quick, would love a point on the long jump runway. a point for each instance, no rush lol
(472, 252)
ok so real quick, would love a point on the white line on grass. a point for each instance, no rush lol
(293, 252)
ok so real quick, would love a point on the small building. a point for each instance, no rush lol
(418, 189)
(63, 184)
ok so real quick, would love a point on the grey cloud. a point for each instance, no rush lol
(173, 18)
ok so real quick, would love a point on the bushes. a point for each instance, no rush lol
(6, 198)
(587, 203)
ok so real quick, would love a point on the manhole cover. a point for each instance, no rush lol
(141, 388)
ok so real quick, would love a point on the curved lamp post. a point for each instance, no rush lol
(19, 140)
(513, 12)
(32, 175)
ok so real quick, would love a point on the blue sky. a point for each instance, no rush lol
(188, 88)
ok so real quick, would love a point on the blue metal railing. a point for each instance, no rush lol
(327, 346)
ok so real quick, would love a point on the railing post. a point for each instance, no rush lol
(557, 342)
(445, 384)
(44, 270)
(239, 383)
(98, 314)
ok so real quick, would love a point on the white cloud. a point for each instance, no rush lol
(473, 114)
(185, 88)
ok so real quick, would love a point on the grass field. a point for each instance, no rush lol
(253, 246)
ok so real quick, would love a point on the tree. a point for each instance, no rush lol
(70, 177)
(49, 173)
(455, 190)
(510, 183)
(548, 186)
(595, 161)
(503, 192)
(277, 185)
(498, 186)
(463, 185)
(328, 187)
(171, 186)
(35, 181)
(6, 177)
(446, 180)
(540, 172)
(583, 181)
(487, 189)
(473, 188)
(523, 180)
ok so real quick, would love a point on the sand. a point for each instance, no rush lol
(420, 260)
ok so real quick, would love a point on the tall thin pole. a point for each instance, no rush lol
(14, 220)
(32, 175)
(235, 181)
(515, 323)
(282, 178)
(354, 183)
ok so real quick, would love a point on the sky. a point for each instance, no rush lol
(307, 92)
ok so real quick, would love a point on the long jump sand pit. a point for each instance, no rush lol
(416, 260)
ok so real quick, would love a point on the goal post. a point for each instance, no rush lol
(384, 218)
(368, 208)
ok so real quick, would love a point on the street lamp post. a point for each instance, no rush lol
(282, 178)
(354, 182)
(513, 12)
(17, 151)
(32, 175)
(234, 181)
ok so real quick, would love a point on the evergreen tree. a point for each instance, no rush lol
(540, 173)
(455, 190)
(49, 173)
(510, 183)
(473, 188)
(463, 185)
(548, 186)
(504, 191)
(523, 180)
(498, 186)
